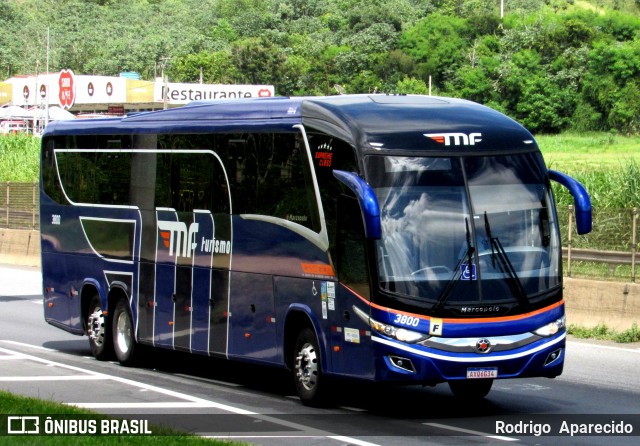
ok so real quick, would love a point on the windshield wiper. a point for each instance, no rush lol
(448, 289)
(514, 283)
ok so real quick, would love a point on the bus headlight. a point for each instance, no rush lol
(401, 334)
(552, 328)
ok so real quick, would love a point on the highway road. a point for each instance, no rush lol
(599, 387)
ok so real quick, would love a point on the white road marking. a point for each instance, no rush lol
(340, 438)
(49, 378)
(469, 431)
(158, 405)
(193, 400)
(190, 401)
(350, 440)
(37, 347)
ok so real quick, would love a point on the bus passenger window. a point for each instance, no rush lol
(270, 175)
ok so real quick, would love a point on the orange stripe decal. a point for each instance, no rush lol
(461, 320)
(317, 269)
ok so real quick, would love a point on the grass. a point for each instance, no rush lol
(594, 151)
(598, 271)
(14, 405)
(19, 158)
(602, 332)
(607, 164)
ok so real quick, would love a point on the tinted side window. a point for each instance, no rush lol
(331, 154)
(270, 175)
(146, 178)
(95, 177)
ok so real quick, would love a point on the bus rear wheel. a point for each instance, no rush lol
(307, 369)
(473, 389)
(124, 344)
(98, 330)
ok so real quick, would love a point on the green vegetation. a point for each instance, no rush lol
(606, 163)
(589, 151)
(19, 158)
(15, 405)
(554, 65)
(602, 332)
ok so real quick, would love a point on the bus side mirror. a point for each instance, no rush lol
(366, 199)
(580, 198)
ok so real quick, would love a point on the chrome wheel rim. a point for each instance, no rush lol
(307, 366)
(123, 333)
(96, 326)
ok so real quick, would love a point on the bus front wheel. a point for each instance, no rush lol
(124, 344)
(98, 330)
(307, 369)
(471, 389)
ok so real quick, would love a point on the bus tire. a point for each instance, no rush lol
(124, 343)
(98, 330)
(307, 369)
(471, 389)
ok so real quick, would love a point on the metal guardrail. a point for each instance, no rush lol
(593, 255)
(611, 258)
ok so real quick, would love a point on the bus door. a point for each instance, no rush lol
(191, 287)
(252, 328)
(353, 355)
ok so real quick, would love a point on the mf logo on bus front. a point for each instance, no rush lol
(178, 238)
(456, 139)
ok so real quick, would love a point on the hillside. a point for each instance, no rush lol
(551, 64)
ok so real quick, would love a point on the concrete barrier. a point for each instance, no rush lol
(588, 302)
(20, 247)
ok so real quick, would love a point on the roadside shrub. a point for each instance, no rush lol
(19, 158)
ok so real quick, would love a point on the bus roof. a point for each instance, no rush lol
(407, 122)
(371, 122)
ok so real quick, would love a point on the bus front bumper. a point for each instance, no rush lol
(420, 364)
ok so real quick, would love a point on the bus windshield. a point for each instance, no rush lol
(465, 230)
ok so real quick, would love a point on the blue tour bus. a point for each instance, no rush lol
(391, 238)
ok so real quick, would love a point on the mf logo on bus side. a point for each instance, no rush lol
(182, 241)
(456, 139)
(175, 235)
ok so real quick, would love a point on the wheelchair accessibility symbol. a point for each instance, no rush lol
(468, 272)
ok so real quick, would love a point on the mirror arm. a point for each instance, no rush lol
(369, 207)
(580, 198)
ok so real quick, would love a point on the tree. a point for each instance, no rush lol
(412, 86)
(437, 44)
(215, 68)
(259, 62)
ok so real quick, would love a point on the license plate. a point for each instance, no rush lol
(482, 372)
